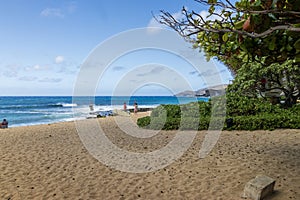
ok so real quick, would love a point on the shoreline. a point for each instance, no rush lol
(143, 112)
(32, 110)
(50, 161)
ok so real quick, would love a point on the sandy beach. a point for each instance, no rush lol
(50, 162)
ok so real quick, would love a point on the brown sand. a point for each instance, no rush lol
(50, 162)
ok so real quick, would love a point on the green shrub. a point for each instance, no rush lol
(247, 114)
(169, 110)
(189, 123)
(266, 122)
(144, 121)
(238, 105)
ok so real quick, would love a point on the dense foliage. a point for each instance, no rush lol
(258, 40)
(247, 114)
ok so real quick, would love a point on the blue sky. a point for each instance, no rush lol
(45, 42)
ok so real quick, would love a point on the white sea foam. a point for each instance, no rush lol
(69, 105)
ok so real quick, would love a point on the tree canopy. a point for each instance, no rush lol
(258, 40)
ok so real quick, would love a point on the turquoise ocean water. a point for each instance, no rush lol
(24, 111)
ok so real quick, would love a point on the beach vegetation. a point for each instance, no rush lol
(258, 40)
(246, 113)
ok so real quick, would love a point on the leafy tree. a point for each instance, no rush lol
(259, 41)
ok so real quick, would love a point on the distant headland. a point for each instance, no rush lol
(204, 92)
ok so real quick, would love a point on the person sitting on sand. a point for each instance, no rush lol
(4, 124)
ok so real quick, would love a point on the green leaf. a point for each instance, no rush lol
(272, 44)
(227, 14)
(215, 36)
(225, 37)
(207, 57)
(245, 58)
(196, 22)
(297, 58)
(239, 24)
(257, 3)
(212, 1)
(296, 25)
(211, 9)
(289, 48)
(297, 45)
(199, 36)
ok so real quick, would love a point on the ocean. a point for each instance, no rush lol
(34, 110)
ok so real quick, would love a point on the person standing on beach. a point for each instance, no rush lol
(4, 124)
(125, 106)
(135, 109)
(91, 107)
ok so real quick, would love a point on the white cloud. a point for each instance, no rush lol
(59, 59)
(50, 80)
(149, 76)
(11, 70)
(118, 68)
(154, 24)
(52, 12)
(28, 78)
(208, 73)
(204, 14)
(10, 74)
(178, 15)
(61, 12)
(36, 67)
(154, 71)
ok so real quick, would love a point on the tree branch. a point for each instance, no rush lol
(189, 29)
(230, 6)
